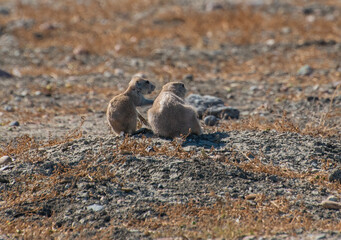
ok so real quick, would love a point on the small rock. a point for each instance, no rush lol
(306, 70)
(223, 112)
(335, 176)
(311, 18)
(38, 35)
(206, 101)
(273, 178)
(312, 99)
(331, 205)
(5, 160)
(320, 236)
(8, 108)
(189, 77)
(16, 72)
(4, 11)
(14, 124)
(24, 93)
(107, 74)
(118, 72)
(126, 189)
(218, 157)
(270, 42)
(20, 23)
(286, 30)
(150, 149)
(308, 11)
(135, 63)
(80, 50)
(4, 74)
(95, 207)
(332, 198)
(210, 120)
(211, 6)
(251, 196)
(49, 26)
(3, 180)
(251, 237)
(211, 105)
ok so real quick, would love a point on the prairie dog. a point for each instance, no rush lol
(169, 116)
(121, 112)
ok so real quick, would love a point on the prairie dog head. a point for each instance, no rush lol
(178, 88)
(141, 84)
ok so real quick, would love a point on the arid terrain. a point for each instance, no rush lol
(264, 175)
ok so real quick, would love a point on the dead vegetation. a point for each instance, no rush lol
(114, 27)
(284, 124)
(231, 218)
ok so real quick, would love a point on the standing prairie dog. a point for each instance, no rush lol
(169, 116)
(121, 112)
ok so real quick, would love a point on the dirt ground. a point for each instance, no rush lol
(262, 176)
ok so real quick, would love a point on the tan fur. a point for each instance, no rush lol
(169, 116)
(121, 112)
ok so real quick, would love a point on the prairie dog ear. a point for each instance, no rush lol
(139, 85)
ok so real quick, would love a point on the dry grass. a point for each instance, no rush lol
(233, 218)
(146, 147)
(116, 28)
(285, 124)
(101, 26)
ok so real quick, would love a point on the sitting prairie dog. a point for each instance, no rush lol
(121, 112)
(169, 116)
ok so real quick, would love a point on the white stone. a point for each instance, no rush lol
(5, 160)
(95, 207)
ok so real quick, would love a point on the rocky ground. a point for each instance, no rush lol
(265, 175)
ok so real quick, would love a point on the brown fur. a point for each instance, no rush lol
(121, 112)
(169, 116)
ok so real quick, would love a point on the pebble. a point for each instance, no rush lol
(211, 105)
(5, 160)
(4, 11)
(223, 112)
(118, 72)
(320, 236)
(14, 124)
(306, 70)
(189, 77)
(8, 108)
(95, 207)
(210, 120)
(270, 42)
(332, 198)
(80, 50)
(286, 30)
(211, 6)
(312, 99)
(251, 196)
(206, 101)
(4, 74)
(331, 205)
(335, 176)
(107, 74)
